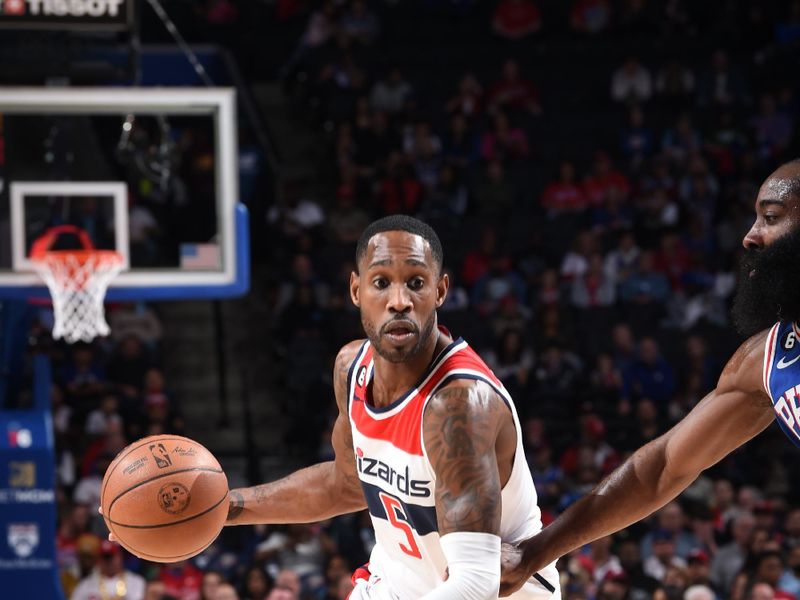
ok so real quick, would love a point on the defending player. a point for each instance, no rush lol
(760, 382)
(427, 439)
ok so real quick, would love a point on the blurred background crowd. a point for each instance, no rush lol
(591, 167)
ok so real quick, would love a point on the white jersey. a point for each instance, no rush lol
(399, 482)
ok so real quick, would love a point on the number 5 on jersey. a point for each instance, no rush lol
(398, 520)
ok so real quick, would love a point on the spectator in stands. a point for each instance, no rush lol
(468, 99)
(565, 194)
(346, 221)
(256, 584)
(651, 376)
(513, 93)
(126, 369)
(772, 129)
(511, 360)
(636, 140)
(790, 578)
(287, 586)
(593, 288)
(681, 141)
(336, 569)
(769, 566)
(135, 319)
(182, 580)
(671, 518)
(641, 584)
(302, 274)
(576, 261)
(109, 577)
(211, 581)
(623, 259)
(399, 190)
(448, 200)
(631, 83)
(84, 378)
(515, 19)
(389, 95)
(604, 560)
(99, 419)
(460, 146)
(496, 195)
(603, 178)
(674, 84)
(225, 591)
(504, 142)
(161, 413)
(721, 85)
(730, 558)
(590, 16)
(663, 557)
(499, 282)
(549, 290)
(698, 570)
(359, 23)
(556, 376)
(87, 491)
(645, 285)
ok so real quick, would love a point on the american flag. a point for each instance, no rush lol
(14, 7)
(200, 256)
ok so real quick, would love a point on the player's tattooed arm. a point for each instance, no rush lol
(318, 492)
(460, 427)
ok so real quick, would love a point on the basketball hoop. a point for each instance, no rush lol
(77, 280)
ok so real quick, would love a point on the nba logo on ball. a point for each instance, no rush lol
(161, 455)
(23, 538)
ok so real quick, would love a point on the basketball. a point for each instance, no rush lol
(165, 498)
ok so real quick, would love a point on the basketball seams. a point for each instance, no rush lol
(170, 524)
(128, 449)
(161, 476)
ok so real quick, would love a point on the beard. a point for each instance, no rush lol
(393, 353)
(769, 286)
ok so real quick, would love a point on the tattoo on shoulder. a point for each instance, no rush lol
(461, 425)
(236, 505)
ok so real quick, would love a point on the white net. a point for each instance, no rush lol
(78, 282)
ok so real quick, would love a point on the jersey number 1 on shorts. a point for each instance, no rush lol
(394, 512)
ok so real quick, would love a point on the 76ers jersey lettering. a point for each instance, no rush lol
(782, 376)
(399, 482)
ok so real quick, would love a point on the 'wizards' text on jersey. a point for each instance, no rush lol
(782, 376)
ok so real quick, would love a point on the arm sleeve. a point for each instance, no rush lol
(473, 562)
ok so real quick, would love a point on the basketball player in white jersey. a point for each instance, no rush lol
(761, 382)
(427, 439)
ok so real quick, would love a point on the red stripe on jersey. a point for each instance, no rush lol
(402, 430)
(770, 356)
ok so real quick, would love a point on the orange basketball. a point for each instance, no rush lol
(165, 498)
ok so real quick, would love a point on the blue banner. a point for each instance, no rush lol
(28, 566)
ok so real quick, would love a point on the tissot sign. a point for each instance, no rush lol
(66, 14)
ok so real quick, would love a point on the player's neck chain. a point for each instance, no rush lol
(118, 588)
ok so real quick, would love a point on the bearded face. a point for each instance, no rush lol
(769, 285)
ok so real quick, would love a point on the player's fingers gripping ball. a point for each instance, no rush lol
(165, 498)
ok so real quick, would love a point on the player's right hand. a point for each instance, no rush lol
(111, 537)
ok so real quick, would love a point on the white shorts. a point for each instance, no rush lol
(545, 585)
